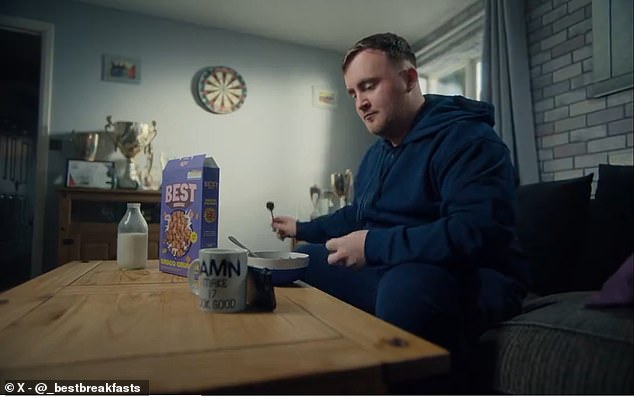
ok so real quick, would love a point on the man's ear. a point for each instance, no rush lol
(411, 78)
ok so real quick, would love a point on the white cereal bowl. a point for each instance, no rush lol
(285, 267)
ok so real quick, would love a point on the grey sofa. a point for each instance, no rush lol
(573, 243)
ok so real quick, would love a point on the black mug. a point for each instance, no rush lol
(260, 291)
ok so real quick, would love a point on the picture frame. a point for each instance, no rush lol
(324, 97)
(90, 174)
(122, 69)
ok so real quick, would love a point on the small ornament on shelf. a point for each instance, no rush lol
(315, 195)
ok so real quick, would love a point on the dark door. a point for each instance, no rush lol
(19, 103)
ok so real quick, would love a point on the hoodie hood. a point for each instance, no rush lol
(440, 111)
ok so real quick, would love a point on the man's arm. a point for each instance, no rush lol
(477, 186)
(339, 223)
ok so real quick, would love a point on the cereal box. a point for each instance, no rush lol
(189, 211)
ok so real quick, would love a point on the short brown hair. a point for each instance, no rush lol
(396, 48)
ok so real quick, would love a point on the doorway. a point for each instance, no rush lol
(19, 101)
(25, 82)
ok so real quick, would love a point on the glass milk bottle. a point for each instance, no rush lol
(132, 239)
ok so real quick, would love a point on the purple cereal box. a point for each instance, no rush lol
(189, 211)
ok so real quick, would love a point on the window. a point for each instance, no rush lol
(612, 69)
(449, 60)
(450, 84)
(465, 80)
(423, 82)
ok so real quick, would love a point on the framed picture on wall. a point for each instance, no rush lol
(121, 69)
(324, 97)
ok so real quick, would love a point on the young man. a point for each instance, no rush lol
(425, 244)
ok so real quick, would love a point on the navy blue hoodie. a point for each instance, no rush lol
(443, 196)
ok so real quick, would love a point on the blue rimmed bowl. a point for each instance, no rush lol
(285, 267)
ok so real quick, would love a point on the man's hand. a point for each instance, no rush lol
(285, 226)
(347, 250)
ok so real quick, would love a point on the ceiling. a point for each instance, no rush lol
(326, 24)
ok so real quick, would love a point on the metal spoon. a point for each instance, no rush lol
(238, 243)
(270, 206)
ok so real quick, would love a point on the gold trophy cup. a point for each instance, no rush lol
(131, 138)
(342, 184)
(86, 144)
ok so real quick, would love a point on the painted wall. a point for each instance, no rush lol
(273, 148)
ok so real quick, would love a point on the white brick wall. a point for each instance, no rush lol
(574, 132)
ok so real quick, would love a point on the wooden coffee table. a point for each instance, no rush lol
(88, 320)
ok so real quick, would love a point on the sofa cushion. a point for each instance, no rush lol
(618, 290)
(611, 183)
(610, 232)
(551, 220)
(557, 346)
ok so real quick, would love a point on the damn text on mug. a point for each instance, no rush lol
(219, 278)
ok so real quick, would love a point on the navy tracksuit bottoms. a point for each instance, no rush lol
(447, 308)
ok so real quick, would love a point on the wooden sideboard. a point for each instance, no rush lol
(88, 220)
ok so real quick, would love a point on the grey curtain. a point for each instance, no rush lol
(506, 84)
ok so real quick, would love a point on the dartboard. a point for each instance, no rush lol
(221, 89)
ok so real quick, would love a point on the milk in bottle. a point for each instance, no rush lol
(132, 239)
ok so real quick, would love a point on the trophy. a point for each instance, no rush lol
(342, 186)
(130, 138)
(315, 195)
(348, 186)
(338, 186)
(86, 144)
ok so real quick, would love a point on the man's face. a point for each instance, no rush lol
(378, 90)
